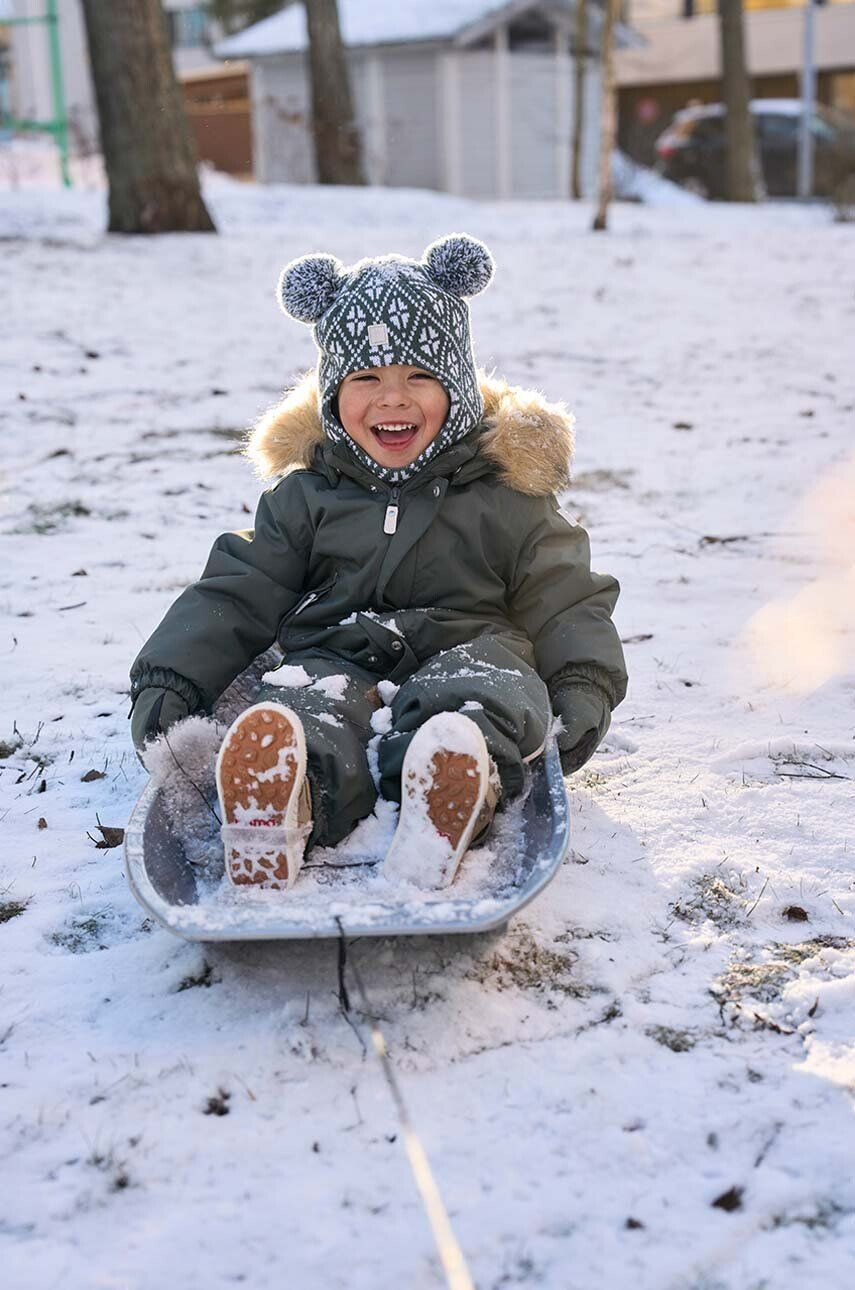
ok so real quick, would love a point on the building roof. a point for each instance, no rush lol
(392, 22)
(363, 22)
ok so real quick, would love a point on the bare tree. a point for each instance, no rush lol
(148, 151)
(608, 114)
(338, 152)
(742, 170)
(580, 67)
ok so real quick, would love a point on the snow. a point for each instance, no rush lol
(387, 690)
(332, 687)
(363, 22)
(672, 1018)
(291, 675)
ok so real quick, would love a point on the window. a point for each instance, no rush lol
(530, 31)
(188, 27)
(778, 128)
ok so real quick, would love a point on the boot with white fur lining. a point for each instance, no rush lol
(264, 797)
(448, 795)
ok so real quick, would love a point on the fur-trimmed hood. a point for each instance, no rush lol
(527, 438)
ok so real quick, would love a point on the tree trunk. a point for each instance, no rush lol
(608, 115)
(338, 153)
(148, 151)
(741, 170)
(580, 66)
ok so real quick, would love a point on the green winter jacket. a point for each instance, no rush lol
(479, 545)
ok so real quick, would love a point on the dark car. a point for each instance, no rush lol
(691, 151)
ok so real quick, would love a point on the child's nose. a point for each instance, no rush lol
(394, 394)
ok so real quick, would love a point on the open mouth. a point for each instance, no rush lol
(396, 435)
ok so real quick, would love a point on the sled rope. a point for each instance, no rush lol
(451, 1255)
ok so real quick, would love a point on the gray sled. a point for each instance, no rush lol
(169, 887)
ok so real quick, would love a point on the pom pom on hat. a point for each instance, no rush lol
(460, 264)
(308, 286)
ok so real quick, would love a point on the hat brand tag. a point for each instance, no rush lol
(378, 334)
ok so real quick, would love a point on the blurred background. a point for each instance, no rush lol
(469, 97)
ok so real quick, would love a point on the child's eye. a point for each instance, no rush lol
(366, 376)
(422, 376)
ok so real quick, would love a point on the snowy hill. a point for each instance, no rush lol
(648, 1079)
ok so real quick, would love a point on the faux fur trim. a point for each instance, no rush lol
(527, 438)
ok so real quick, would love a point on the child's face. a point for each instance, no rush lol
(393, 413)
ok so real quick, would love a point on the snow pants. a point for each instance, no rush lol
(355, 747)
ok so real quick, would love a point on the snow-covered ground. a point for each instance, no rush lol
(648, 1079)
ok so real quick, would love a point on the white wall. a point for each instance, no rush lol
(429, 120)
(281, 116)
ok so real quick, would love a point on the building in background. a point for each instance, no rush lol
(679, 62)
(474, 98)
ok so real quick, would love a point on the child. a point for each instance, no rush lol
(414, 539)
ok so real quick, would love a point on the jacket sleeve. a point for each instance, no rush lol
(565, 609)
(220, 623)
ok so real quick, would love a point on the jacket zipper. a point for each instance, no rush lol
(309, 599)
(390, 520)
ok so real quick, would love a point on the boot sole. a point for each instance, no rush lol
(261, 769)
(451, 793)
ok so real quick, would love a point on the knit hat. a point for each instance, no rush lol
(394, 310)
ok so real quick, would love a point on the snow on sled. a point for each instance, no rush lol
(190, 895)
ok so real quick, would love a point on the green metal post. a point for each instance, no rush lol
(57, 90)
(58, 126)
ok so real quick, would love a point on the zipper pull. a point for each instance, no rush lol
(390, 520)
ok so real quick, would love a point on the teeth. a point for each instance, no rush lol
(398, 426)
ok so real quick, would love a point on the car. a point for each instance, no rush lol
(691, 151)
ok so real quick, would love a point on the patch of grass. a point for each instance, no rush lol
(83, 933)
(204, 978)
(825, 1217)
(679, 1041)
(715, 898)
(522, 963)
(10, 909)
(48, 517)
(599, 481)
(807, 949)
(765, 981)
(8, 747)
(762, 981)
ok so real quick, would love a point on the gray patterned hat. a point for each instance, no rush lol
(394, 310)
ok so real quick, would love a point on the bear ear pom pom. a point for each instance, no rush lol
(460, 264)
(308, 286)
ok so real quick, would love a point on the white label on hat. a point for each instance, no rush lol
(378, 334)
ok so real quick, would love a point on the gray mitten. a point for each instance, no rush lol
(585, 716)
(155, 710)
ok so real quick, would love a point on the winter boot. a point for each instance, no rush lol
(264, 797)
(449, 791)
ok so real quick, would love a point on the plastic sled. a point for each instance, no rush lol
(168, 886)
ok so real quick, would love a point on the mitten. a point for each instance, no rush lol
(585, 715)
(155, 710)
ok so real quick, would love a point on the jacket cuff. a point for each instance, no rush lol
(147, 677)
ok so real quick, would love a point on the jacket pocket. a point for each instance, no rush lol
(310, 598)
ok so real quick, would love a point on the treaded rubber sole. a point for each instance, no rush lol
(261, 769)
(444, 785)
(453, 795)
